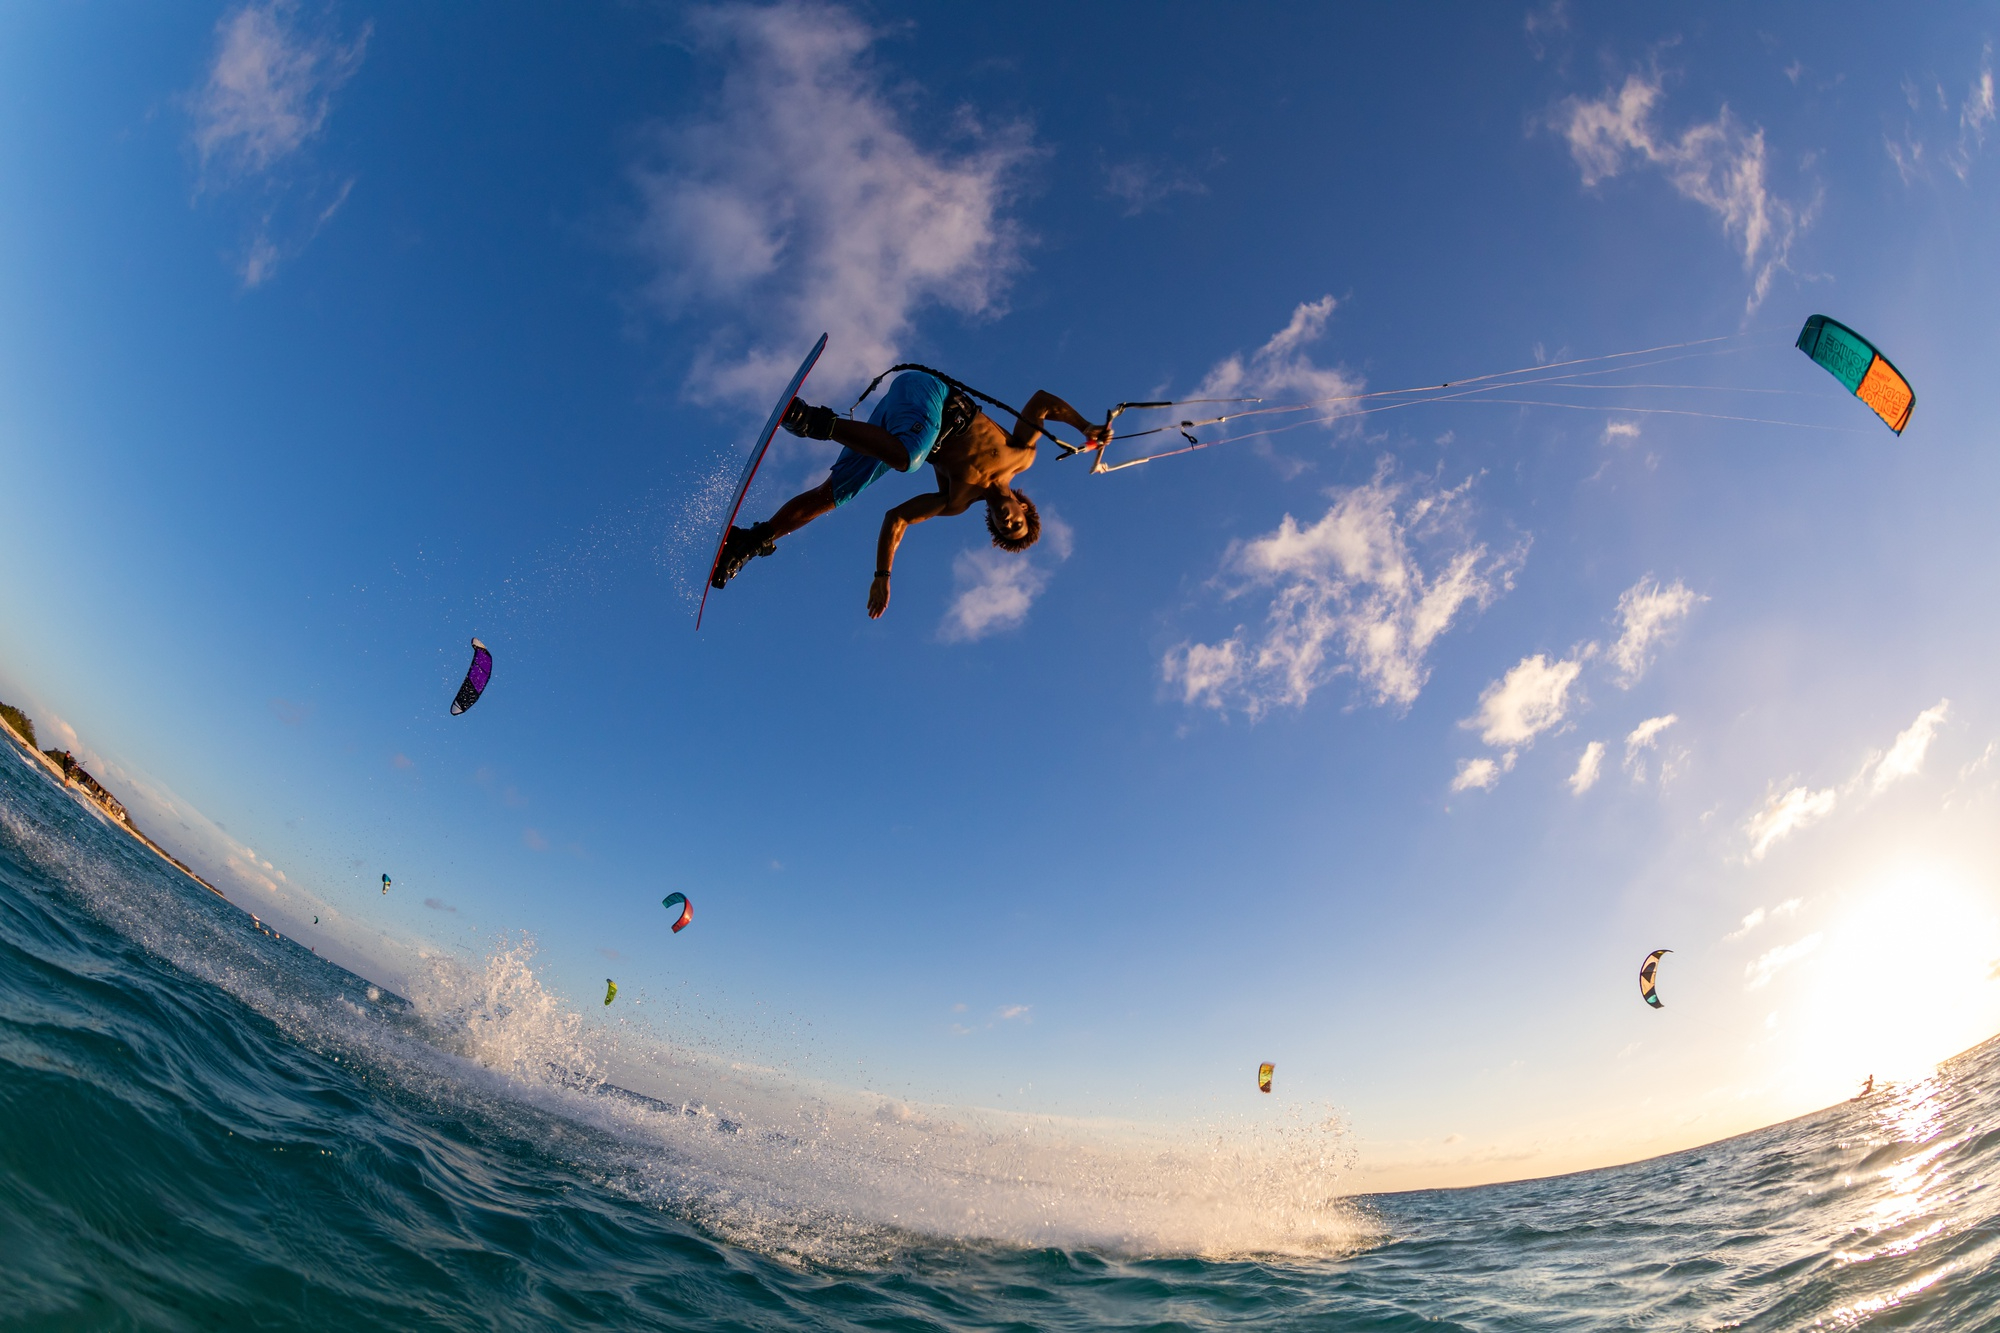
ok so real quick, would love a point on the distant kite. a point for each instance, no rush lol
(1648, 971)
(1264, 1072)
(610, 990)
(385, 883)
(687, 910)
(476, 677)
(1853, 360)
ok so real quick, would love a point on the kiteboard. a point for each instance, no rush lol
(750, 469)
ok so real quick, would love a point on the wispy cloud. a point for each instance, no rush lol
(439, 905)
(1476, 774)
(1972, 119)
(993, 590)
(1758, 916)
(1543, 23)
(1620, 430)
(1527, 701)
(269, 93)
(1589, 765)
(802, 194)
(1906, 757)
(1784, 814)
(1647, 613)
(1773, 961)
(1350, 594)
(1717, 164)
(1641, 739)
(1975, 114)
(1143, 184)
(289, 711)
(1283, 366)
(1535, 696)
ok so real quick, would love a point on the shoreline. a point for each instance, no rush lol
(48, 766)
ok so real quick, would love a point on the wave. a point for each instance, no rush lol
(764, 1160)
(203, 1124)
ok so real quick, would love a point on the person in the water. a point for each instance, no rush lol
(920, 419)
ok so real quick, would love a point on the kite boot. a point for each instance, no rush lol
(741, 546)
(813, 423)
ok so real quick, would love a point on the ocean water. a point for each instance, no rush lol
(203, 1126)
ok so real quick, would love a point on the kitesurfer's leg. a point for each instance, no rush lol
(863, 437)
(802, 509)
(899, 436)
(745, 544)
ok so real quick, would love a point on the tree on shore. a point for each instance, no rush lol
(20, 722)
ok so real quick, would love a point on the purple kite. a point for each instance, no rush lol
(476, 677)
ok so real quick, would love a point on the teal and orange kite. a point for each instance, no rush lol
(1853, 360)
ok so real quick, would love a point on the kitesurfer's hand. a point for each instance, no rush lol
(1095, 437)
(878, 597)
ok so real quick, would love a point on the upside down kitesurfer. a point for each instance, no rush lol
(920, 419)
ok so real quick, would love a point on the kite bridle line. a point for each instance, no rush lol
(1412, 397)
(1186, 427)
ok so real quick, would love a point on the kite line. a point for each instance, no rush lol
(1472, 389)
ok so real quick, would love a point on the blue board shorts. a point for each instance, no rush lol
(911, 411)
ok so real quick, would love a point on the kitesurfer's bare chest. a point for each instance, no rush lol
(978, 459)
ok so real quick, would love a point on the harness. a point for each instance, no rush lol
(958, 406)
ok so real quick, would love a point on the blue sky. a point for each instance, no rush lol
(1383, 748)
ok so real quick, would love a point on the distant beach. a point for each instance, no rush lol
(90, 791)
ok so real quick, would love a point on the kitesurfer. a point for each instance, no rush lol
(920, 419)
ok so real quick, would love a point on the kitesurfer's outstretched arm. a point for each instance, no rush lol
(1045, 406)
(894, 524)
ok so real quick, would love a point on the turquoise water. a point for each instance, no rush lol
(204, 1126)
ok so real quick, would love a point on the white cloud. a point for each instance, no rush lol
(994, 589)
(1008, 1012)
(1772, 961)
(1348, 594)
(801, 195)
(1758, 916)
(1146, 183)
(1525, 702)
(1643, 738)
(1717, 164)
(1620, 430)
(1974, 115)
(1545, 21)
(1647, 612)
(1647, 733)
(270, 88)
(1906, 757)
(268, 94)
(1281, 366)
(1785, 814)
(1588, 767)
(1477, 774)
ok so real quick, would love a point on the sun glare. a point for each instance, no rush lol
(1905, 975)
